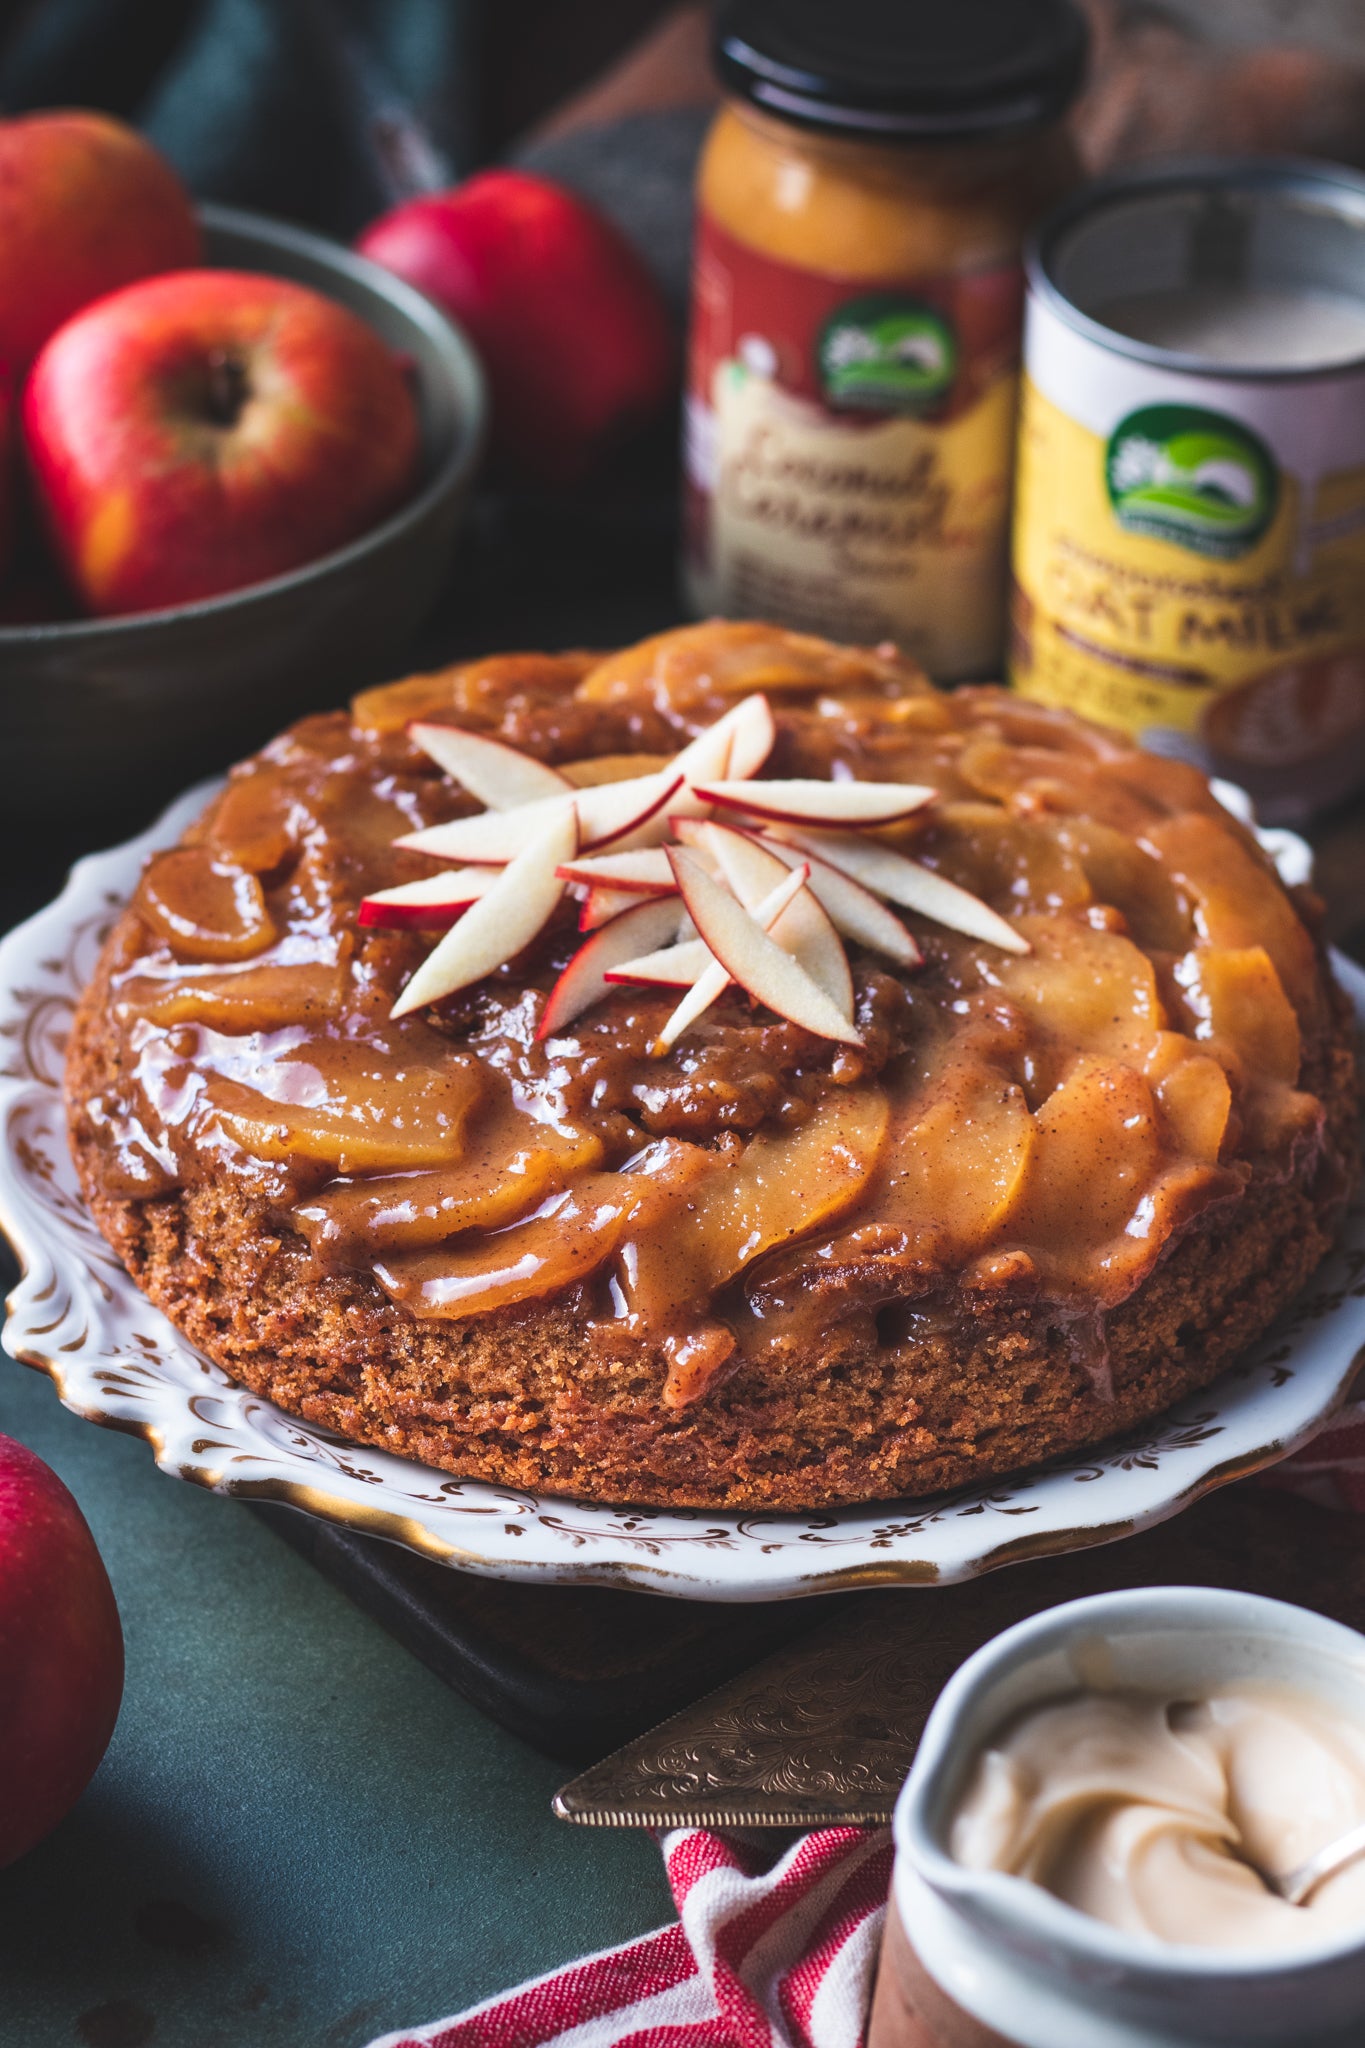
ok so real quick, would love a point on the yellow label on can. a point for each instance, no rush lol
(1189, 555)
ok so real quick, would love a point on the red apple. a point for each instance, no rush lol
(61, 1651)
(8, 480)
(85, 207)
(209, 429)
(573, 330)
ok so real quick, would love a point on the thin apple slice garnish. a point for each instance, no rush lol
(679, 966)
(496, 928)
(853, 910)
(804, 929)
(753, 738)
(647, 924)
(607, 813)
(908, 882)
(435, 901)
(601, 905)
(795, 802)
(714, 978)
(643, 872)
(501, 777)
(734, 748)
(750, 957)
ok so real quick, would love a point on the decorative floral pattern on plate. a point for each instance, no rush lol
(116, 1360)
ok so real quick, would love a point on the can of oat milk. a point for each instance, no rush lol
(1189, 528)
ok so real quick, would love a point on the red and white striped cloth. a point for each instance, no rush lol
(762, 1956)
(759, 1958)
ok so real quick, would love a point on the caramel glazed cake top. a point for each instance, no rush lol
(923, 1000)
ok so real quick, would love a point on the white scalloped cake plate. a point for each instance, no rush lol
(116, 1360)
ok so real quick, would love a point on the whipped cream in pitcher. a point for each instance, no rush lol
(1103, 1802)
(1167, 1816)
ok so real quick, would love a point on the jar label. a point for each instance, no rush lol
(1189, 560)
(848, 450)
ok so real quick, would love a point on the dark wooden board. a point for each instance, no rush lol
(578, 1671)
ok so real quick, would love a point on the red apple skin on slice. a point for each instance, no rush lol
(640, 929)
(847, 804)
(678, 966)
(644, 872)
(735, 747)
(711, 984)
(608, 814)
(753, 738)
(432, 904)
(853, 910)
(909, 883)
(517, 907)
(600, 906)
(751, 958)
(501, 777)
(804, 929)
(646, 828)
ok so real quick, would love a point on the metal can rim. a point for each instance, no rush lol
(1308, 176)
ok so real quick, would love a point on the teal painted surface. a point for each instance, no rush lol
(299, 1837)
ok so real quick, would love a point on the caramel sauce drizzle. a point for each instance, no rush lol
(1040, 1125)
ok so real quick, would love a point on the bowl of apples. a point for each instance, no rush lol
(234, 460)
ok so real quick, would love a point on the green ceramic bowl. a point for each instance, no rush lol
(114, 715)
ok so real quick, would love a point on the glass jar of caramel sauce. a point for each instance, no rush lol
(857, 302)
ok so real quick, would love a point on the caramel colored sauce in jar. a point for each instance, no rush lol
(857, 306)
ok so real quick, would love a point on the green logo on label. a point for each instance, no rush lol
(1193, 477)
(887, 354)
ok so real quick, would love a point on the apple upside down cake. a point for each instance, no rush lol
(726, 1072)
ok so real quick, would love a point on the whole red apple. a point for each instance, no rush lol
(206, 430)
(85, 206)
(61, 1651)
(572, 329)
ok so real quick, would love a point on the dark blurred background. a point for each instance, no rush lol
(326, 112)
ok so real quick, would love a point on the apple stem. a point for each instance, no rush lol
(227, 388)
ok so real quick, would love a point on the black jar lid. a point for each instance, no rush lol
(904, 70)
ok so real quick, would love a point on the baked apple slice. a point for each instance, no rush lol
(509, 1165)
(598, 768)
(357, 1108)
(572, 1235)
(1240, 1003)
(785, 1185)
(956, 1162)
(1085, 989)
(204, 907)
(265, 998)
(518, 907)
(1097, 1150)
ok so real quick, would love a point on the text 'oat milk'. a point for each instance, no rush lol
(1189, 530)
